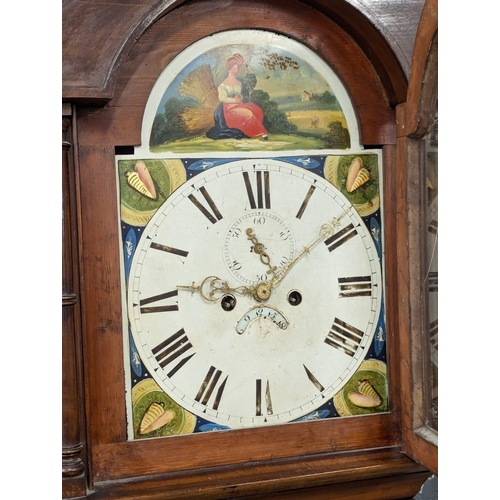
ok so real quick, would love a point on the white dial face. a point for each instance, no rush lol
(254, 293)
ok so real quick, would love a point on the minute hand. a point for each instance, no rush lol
(327, 229)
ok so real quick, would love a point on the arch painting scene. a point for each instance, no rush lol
(246, 97)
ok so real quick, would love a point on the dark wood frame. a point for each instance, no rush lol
(414, 120)
(74, 458)
(351, 458)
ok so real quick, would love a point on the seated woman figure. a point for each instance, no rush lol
(234, 117)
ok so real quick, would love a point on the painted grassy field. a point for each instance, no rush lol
(312, 125)
(202, 144)
(304, 119)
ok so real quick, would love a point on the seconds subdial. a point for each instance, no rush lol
(239, 253)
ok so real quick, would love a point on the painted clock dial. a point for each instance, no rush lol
(254, 293)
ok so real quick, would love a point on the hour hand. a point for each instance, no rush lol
(212, 288)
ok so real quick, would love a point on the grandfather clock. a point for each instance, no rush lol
(243, 267)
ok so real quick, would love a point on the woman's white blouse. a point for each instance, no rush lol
(228, 90)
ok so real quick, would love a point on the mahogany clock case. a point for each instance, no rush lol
(97, 134)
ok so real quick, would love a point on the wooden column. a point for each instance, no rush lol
(73, 450)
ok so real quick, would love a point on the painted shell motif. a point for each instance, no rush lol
(366, 397)
(141, 180)
(155, 417)
(357, 175)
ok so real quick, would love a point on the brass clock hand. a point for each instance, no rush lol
(261, 291)
(259, 249)
(327, 229)
(212, 288)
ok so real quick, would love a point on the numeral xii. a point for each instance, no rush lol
(263, 189)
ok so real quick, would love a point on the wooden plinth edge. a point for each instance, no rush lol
(347, 472)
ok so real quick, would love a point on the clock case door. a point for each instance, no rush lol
(345, 456)
(415, 123)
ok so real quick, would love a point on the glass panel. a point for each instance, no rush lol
(430, 144)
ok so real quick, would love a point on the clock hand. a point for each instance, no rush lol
(327, 229)
(261, 291)
(213, 288)
(259, 249)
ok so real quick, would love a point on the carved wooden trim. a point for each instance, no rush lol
(73, 455)
(102, 93)
(370, 33)
(377, 474)
(424, 73)
(363, 25)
